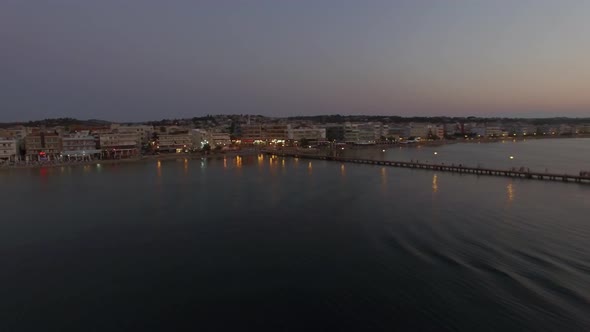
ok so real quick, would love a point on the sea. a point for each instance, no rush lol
(266, 243)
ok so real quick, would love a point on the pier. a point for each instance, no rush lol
(445, 168)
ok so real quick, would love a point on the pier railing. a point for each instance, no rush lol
(444, 168)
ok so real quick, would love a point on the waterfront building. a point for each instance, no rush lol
(493, 131)
(8, 150)
(144, 132)
(262, 133)
(199, 138)
(479, 130)
(438, 131)
(335, 132)
(119, 145)
(419, 129)
(565, 129)
(43, 146)
(380, 131)
(528, 130)
(308, 133)
(451, 129)
(80, 145)
(359, 133)
(275, 132)
(251, 133)
(351, 133)
(180, 141)
(398, 131)
(220, 139)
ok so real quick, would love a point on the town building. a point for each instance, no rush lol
(199, 138)
(479, 130)
(180, 141)
(220, 139)
(419, 129)
(119, 145)
(275, 132)
(80, 145)
(335, 132)
(43, 146)
(144, 132)
(251, 133)
(493, 131)
(359, 133)
(8, 150)
(307, 133)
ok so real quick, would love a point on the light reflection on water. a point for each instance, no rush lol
(434, 183)
(253, 228)
(510, 191)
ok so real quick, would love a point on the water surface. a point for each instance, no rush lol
(258, 243)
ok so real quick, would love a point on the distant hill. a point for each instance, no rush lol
(433, 119)
(65, 122)
(213, 120)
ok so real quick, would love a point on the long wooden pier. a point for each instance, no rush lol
(445, 168)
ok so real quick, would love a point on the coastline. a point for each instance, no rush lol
(254, 151)
(145, 158)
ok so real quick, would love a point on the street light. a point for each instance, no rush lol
(511, 157)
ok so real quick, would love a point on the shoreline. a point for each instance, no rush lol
(146, 158)
(254, 151)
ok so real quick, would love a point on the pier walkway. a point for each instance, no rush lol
(445, 168)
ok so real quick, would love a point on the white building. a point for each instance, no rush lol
(80, 145)
(8, 150)
(359, 133)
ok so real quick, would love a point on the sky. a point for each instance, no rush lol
(139, 60)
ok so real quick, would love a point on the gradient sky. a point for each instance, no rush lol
(138, 60)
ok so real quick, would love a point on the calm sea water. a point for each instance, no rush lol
(256, 243)
(541, 155)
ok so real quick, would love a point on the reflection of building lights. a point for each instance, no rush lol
(434, 183)
(510, 192)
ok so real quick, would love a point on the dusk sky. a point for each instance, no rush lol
(139, 60)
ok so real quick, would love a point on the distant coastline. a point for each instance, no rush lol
(255, 151)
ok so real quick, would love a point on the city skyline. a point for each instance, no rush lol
(148, 60)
